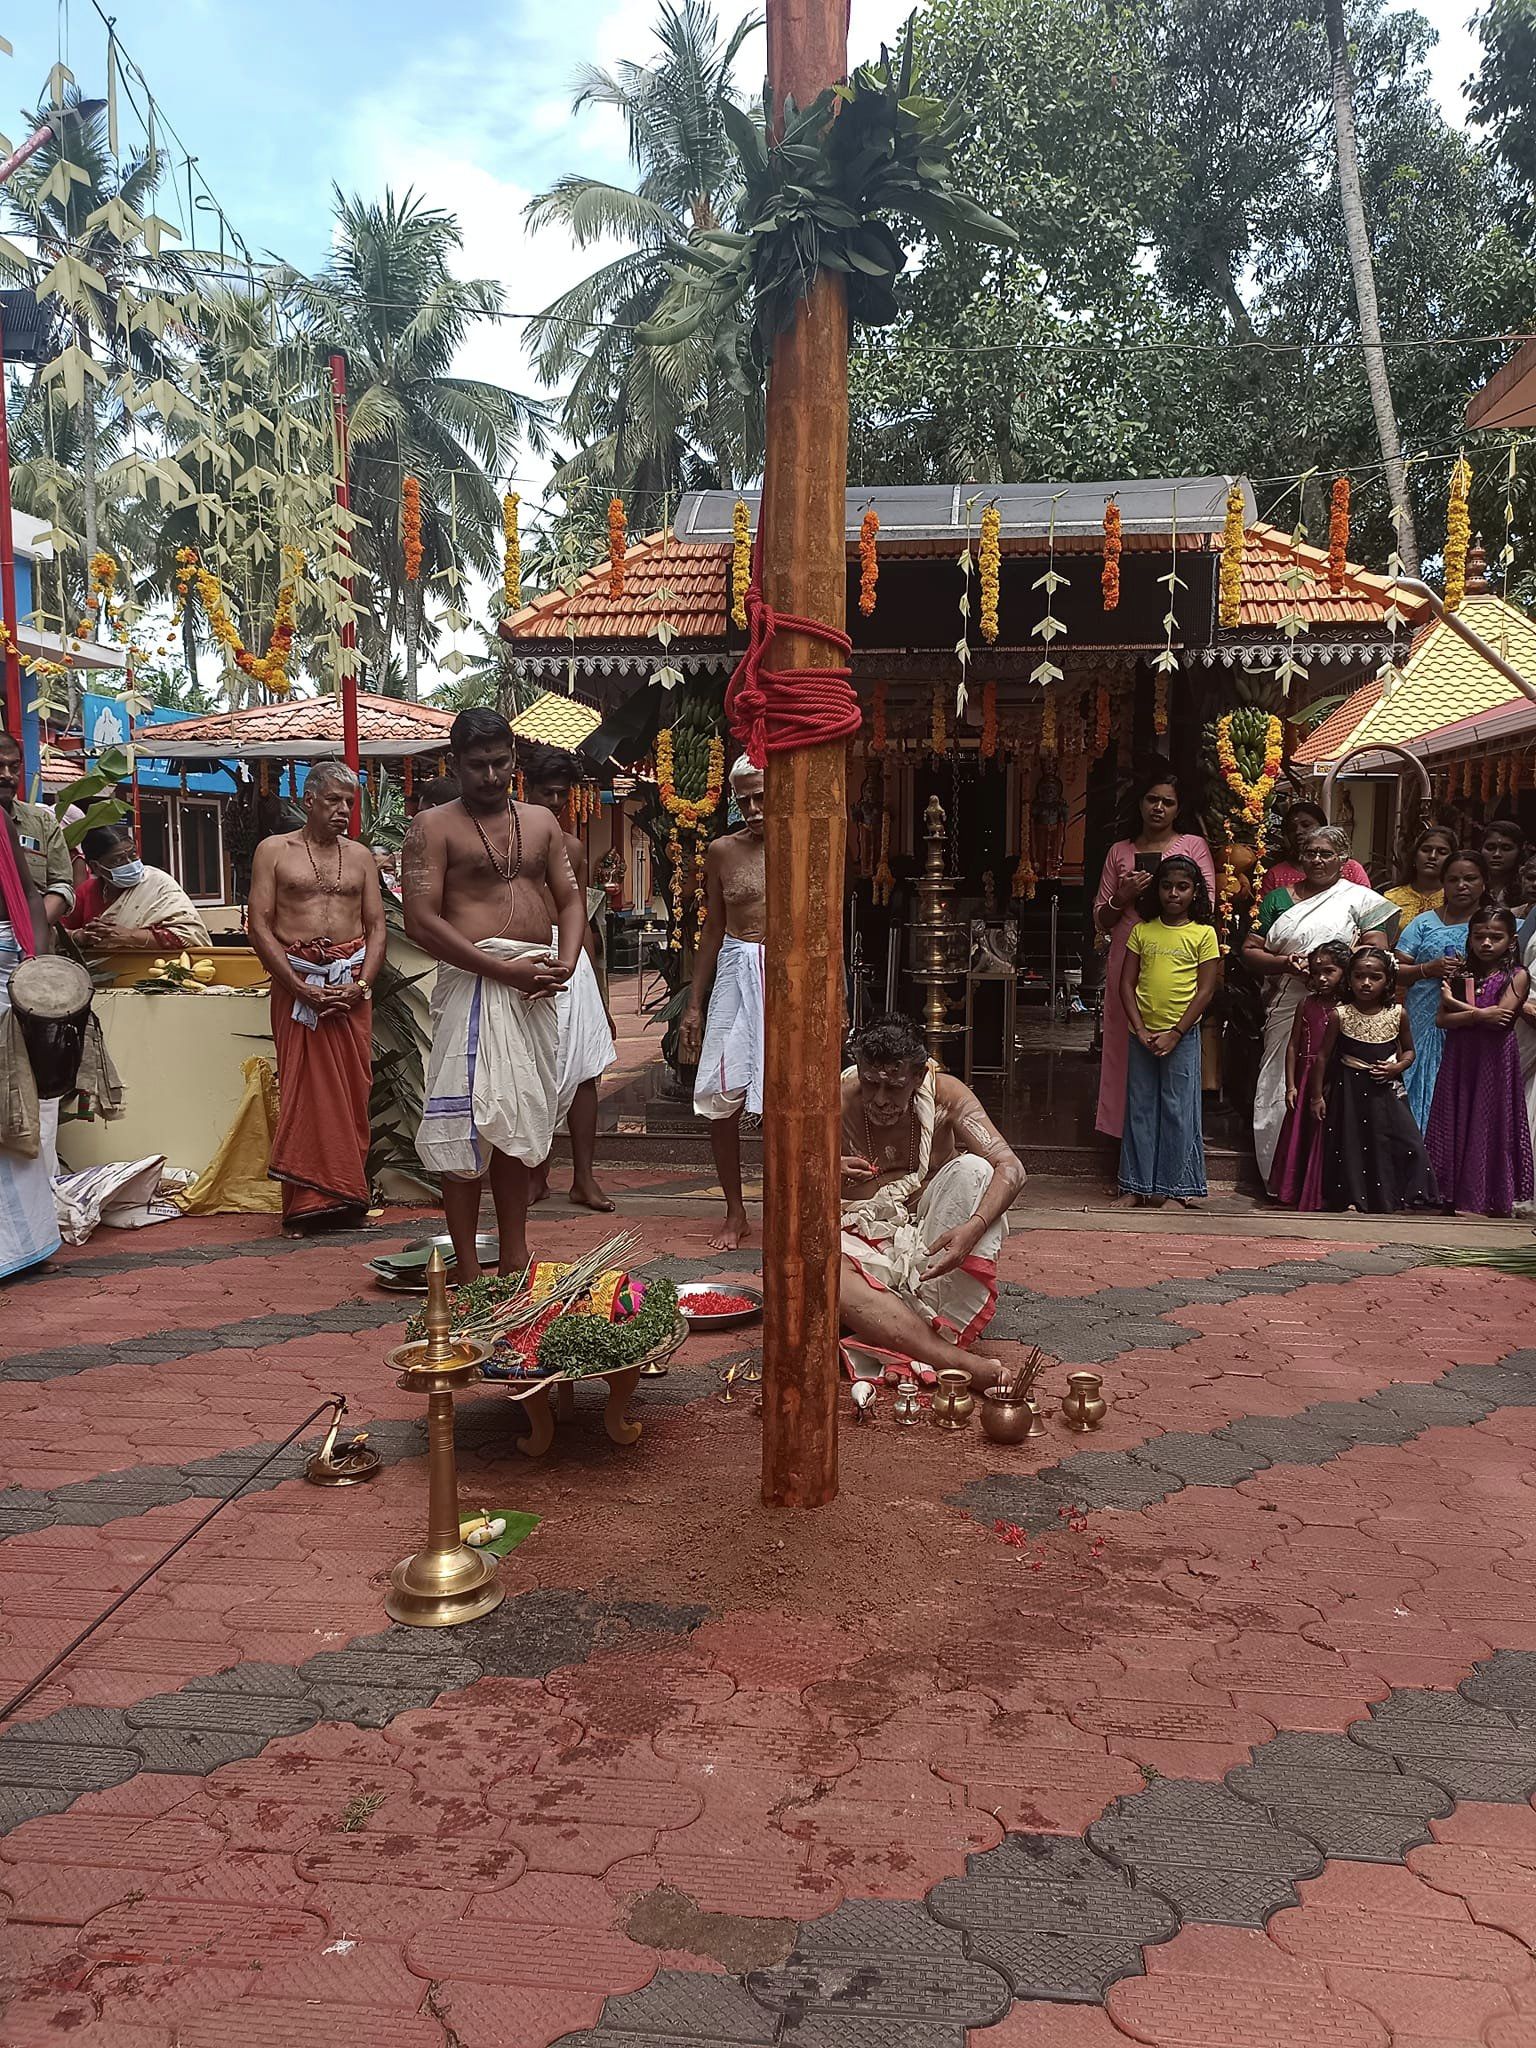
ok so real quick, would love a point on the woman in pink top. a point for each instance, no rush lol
(1151, 833)
(1287, 872)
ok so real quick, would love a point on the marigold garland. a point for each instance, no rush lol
(1233, 540)
(1485, 778)
(741, 563)
(990, 563)
(512, 553)
(879, 739)
(869, 561)
(269, 669)
(410, 526)
(616, 547)
(103, 577)
(1109, 579)
(938, 729)
(989, 721)
(1338, 533)
(689, 812)
(1458, 532)
(1253, 797)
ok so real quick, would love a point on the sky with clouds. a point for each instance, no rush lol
(278, 99)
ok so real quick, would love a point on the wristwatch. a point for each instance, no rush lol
(366, 987)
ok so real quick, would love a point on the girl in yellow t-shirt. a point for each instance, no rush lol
(1172, 966)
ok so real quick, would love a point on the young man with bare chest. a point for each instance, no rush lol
(728, 1047)
(475, 874)
(587, 1049)
(927, 1180)
(316, 920)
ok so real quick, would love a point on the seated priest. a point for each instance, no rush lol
(927, 1180)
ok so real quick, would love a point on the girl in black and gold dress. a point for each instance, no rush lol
(1373, 1153)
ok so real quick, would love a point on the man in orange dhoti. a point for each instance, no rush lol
(317, 920)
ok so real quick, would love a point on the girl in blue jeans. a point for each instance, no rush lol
(1172, 965)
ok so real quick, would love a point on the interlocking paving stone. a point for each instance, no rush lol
(1495, 1384)
(1200, 1460)
(1333, 1791)
(1207, 1852)
(1430, 1405)
(682, 2006)
(193, 1733)
(371, 1687)
(933, 1988)
(251, 1334)
(1475, 1752)
(1285, 1439)
(1507, 1680)
(1057, 1920)
(98, 1727)
(67, 1767)
(100, 1265)
(1358, 1422)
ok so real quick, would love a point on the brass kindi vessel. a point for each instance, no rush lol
(1083, 1406)
(953, 1401)
(446, 1582)
(1006, 1418)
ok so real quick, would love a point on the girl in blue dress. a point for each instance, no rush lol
(1432, 949)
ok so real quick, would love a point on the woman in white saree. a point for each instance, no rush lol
(1291, 923)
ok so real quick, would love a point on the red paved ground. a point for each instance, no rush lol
(877, 1690)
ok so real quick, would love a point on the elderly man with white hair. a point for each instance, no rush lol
(317, 920)
(728, 1045)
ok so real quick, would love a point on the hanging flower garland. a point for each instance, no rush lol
(869, 561)
(1458, 532)
(616, 547)
(410, 527)
(689, 812)
(879, 739)
(1109, 579)
(989, 722)
(100, 597)
(741, 563)
(885, 879)
(1338, 533)
(511, 553)
(1160, 704)
(1233, 542)
(1253, 794)
(1025, 880)
(269, 669)
(990, 563)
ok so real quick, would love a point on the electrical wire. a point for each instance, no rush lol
(337, 1403)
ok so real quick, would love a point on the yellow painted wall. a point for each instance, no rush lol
(180, 1059)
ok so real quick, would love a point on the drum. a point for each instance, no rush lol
(51, 996)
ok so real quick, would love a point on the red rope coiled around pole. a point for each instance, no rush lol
(781, 710)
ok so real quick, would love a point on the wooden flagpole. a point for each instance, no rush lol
(803, 556)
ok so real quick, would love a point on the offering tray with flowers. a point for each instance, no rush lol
(555, 1324)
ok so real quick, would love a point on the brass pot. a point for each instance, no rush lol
(1083, 1406)
(953, 1402)
(907, 1407)
(1004, 1419)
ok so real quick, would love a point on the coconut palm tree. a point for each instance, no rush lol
(388, 300)
(81, 211)
(648, 422)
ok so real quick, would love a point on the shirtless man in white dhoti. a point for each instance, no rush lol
(728, 1049)
(587, 1049)
(927, 1180)
(474, 882)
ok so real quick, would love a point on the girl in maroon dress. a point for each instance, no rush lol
(1479, 1138)
(1296, 1177)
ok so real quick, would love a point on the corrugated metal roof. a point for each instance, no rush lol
(939, 511)
(1445, 681)
(1328, 740)
(555, 721)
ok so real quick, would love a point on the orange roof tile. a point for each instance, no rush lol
(684, 583)
(302, 727)
(1267, 598)
(1327, 740)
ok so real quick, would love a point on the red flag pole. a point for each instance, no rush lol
(13, 698)
(348, 678)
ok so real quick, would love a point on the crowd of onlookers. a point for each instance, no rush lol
(1399, 1065)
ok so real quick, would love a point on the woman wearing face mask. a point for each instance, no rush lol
(128, 907)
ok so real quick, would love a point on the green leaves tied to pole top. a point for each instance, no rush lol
(820, 200)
